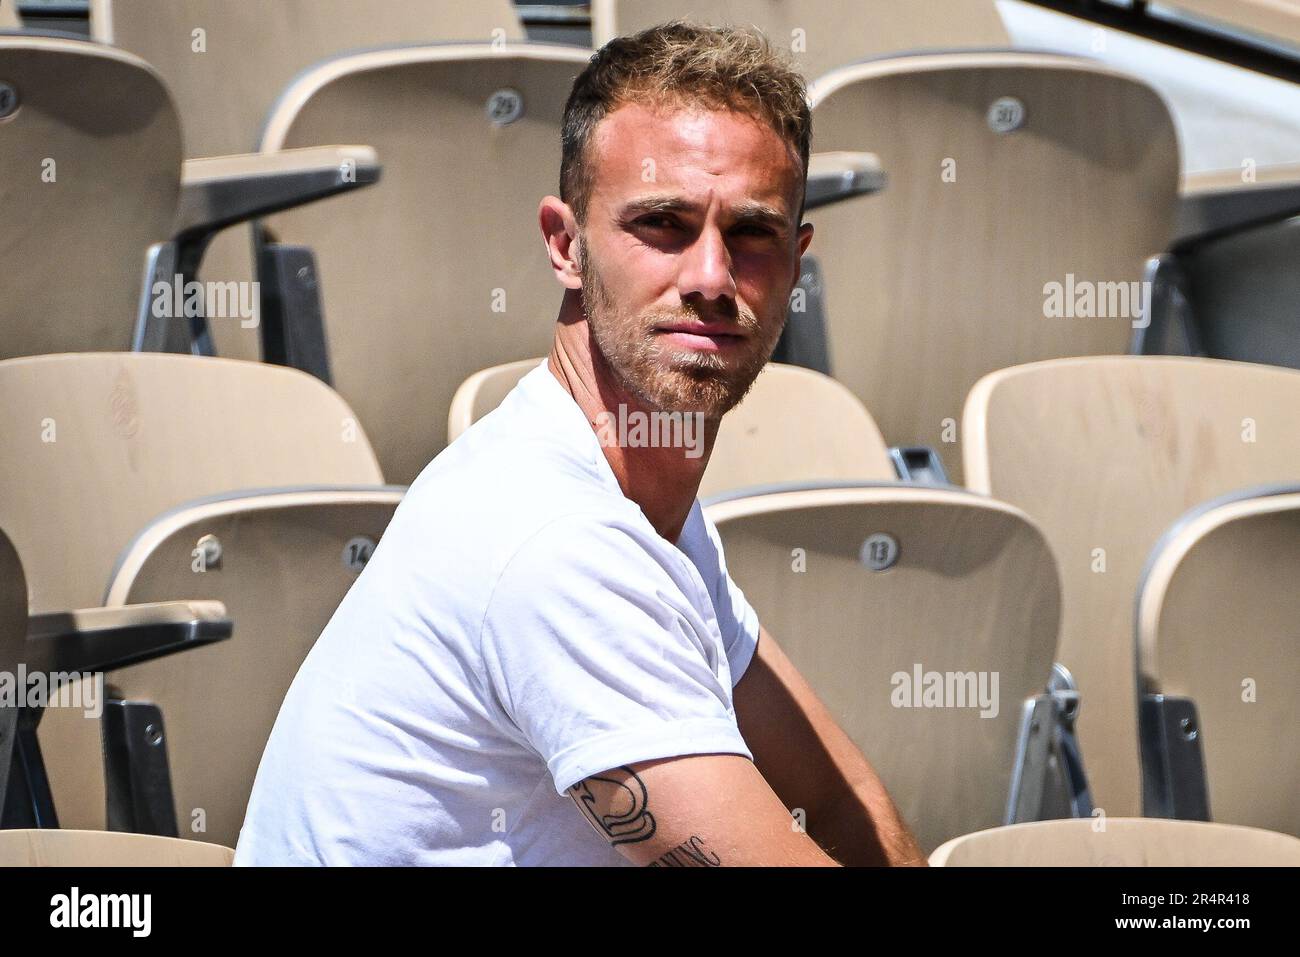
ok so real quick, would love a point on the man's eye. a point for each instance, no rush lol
(754, 230)
(656, 222)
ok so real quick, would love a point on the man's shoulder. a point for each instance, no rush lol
(592, 563)
(506, 492)
(473, 517)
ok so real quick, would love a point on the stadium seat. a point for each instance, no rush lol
(98, 445)
(57, 647)
(795, 425)
(9, 17)
(98, 205)
(1105, 453)
(820, 34)
(1032, 170)
(870, 591)
(92, 150)
(437, 273)
(252, 51)
(69, 848)
(1120, 842)
(280, 562)
(1217, 647)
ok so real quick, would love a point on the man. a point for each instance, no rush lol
(545, 661)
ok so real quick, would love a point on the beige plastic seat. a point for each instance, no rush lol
(61, 644)
(93, 151)
(436, 272)
(71, 848)
(9, 18)
(945, 274)
(99, 137)
(251, 51)
(972, 591)
(97, 445)
(283, 561)
(1216, 624)
(1105, 453)
(795, 425)
(820, 34)
(1125, 842)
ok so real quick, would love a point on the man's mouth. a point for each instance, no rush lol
(701, 336)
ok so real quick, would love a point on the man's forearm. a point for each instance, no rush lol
(849, 814)
(812, 763)
(859, 826)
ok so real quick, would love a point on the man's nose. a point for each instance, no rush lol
(706, 268)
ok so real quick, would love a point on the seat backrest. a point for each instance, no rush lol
(795, 425)
(9, 18)
(948, 273)
(820, 34)
(906, 655)
(98, 444)
(1122, 842)
(251, 50)
(56, 847)
(1244, 688)
(91, 160)
(286, 560)
(1105, 453)
(436, 272)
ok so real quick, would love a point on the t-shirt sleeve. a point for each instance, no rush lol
(597, 656)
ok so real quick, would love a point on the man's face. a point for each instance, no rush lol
(689, 252)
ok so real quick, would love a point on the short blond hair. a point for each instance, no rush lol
(681, 64)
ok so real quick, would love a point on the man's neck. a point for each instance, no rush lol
(662, 479)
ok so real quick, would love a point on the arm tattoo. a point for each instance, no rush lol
(688, 854)
(627, 818)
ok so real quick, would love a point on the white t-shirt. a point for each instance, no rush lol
(520, 627)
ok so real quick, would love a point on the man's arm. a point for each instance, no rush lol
(812, 764)
(707, 810)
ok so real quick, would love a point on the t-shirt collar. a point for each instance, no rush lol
(551, 396)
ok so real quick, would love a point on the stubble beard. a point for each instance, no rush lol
(704, 383)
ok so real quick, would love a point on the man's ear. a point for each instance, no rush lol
(560, 231)
(805, 237)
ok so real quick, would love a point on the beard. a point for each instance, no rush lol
(670, 380)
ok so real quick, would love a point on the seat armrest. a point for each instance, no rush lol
(841, 175)
(104, 639)
(221, 191)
